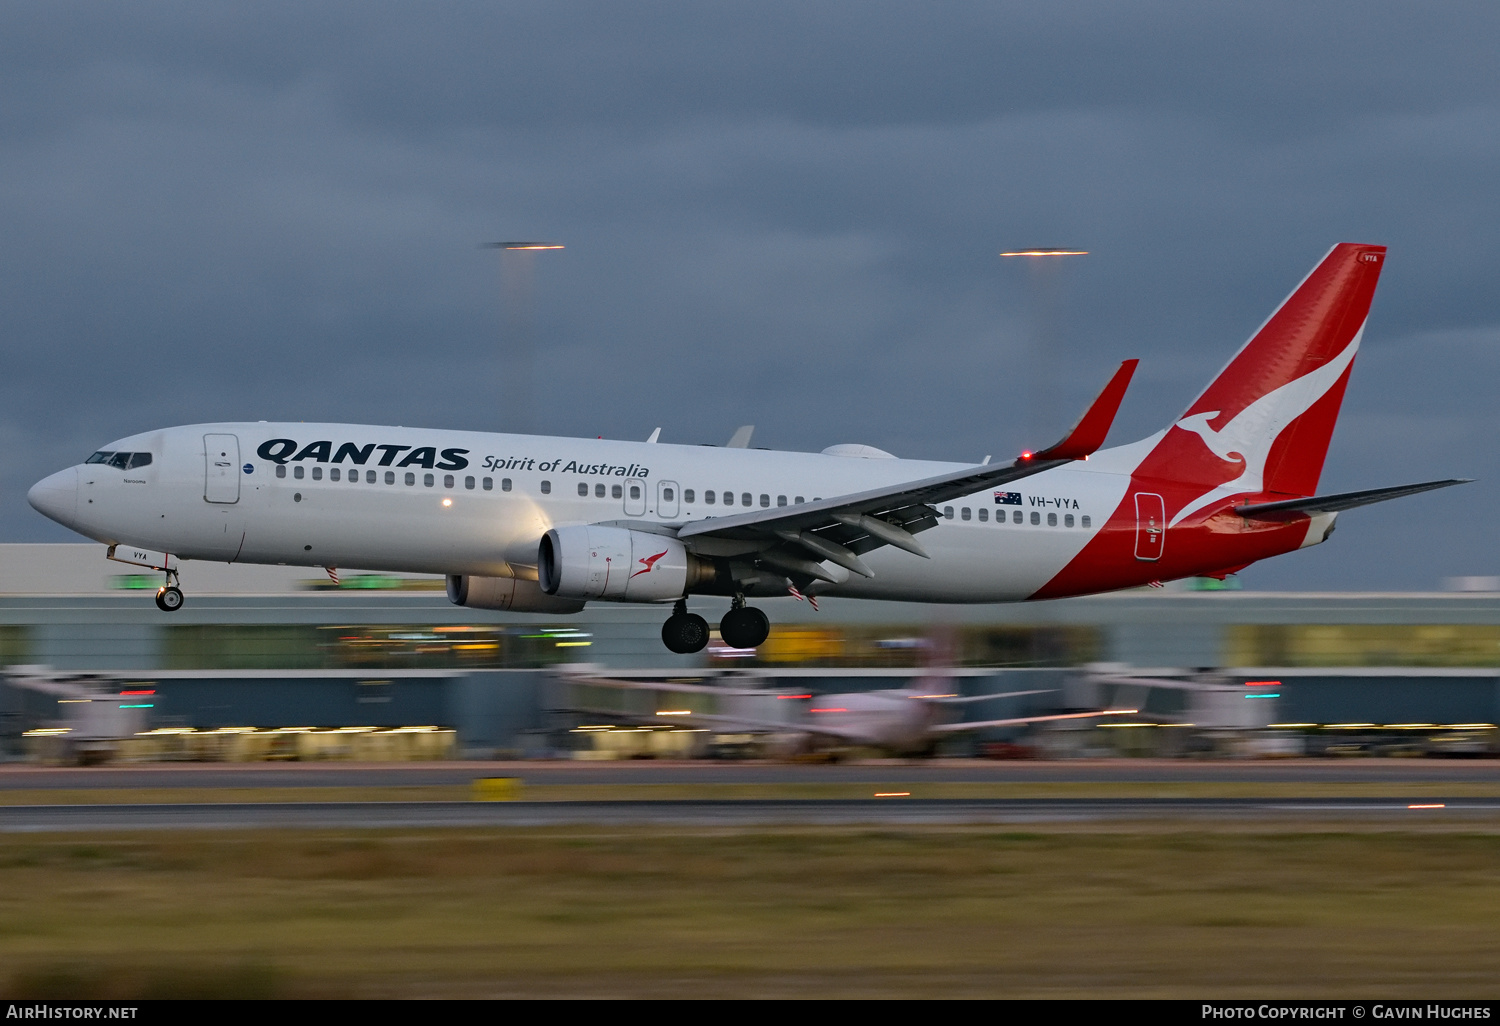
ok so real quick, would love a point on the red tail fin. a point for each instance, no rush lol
(1263, 425)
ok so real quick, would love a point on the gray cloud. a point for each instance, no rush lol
(779, 214)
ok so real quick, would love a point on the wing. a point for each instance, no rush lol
(985, 698)
(1292, 508)
(961, 728)
(796, 540)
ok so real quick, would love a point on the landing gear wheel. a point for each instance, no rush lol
(685, 633)
(169, 599)
(745, 627)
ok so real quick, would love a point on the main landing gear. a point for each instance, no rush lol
(742, 627)
(684, 632)
(169, 596)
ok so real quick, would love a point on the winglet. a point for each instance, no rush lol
(741, 437)
(1090, 431)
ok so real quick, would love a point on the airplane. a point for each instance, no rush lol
(899, 721)
(548, 524)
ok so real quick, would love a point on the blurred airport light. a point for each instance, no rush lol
(1044, 267)
(518, 343)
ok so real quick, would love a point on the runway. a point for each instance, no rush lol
(343, 774)
(849, 812)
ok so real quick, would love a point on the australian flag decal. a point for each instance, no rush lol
(1007, 498)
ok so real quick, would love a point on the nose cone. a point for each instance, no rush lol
(57, 496)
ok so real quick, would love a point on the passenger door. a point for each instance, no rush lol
(221, 468)
(1150, 526)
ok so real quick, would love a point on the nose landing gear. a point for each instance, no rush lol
(169, 596)
(684, 632)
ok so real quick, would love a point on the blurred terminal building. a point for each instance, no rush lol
(282, 662)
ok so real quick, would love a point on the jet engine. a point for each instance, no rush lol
(511, 593)
(588, 562)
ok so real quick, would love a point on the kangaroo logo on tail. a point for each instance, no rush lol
(1248, 438)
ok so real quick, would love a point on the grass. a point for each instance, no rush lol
(1134, 911)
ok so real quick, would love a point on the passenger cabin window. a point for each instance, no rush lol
(965, 513)
(469, 483)
(799, 500)
(546, 487)
(1051, 519)
(426, 480)
(687, 495)
(390, 477)
(317, 473)
(1084, 521)
(708, 497)
(280, 470)
(635, 491)
(411, 479)
(333, 474)
(984, 514)
(615, 491)
(666, 494)
(583, 489)
(369, 477)
(948, 512)
(1068, 520)
(447, 480)
(298, 471)
(1036, 518)
(745, 499)
(765, 500)
(781, 500)
(599, 491)
(488, 483)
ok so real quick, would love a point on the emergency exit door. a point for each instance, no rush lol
(221, 468)
(1150, 526)
(635, 497)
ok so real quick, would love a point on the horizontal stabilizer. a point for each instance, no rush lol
(1292, 508)
(1092, 428)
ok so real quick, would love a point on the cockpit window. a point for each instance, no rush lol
(122, 460)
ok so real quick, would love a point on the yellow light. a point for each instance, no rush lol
(674, 712)
(573, 644)
(1044, 252)
(892, 794)
(447, 502)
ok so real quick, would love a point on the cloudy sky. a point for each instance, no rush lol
(779, 214)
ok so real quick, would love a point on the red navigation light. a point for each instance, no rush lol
(1026, 455)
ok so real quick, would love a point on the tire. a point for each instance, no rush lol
(745, 627)
(685, 634)
(169, 600)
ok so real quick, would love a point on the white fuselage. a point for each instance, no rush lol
(449, 502)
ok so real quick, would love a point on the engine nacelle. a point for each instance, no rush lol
(588, 562)
(511, 593)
